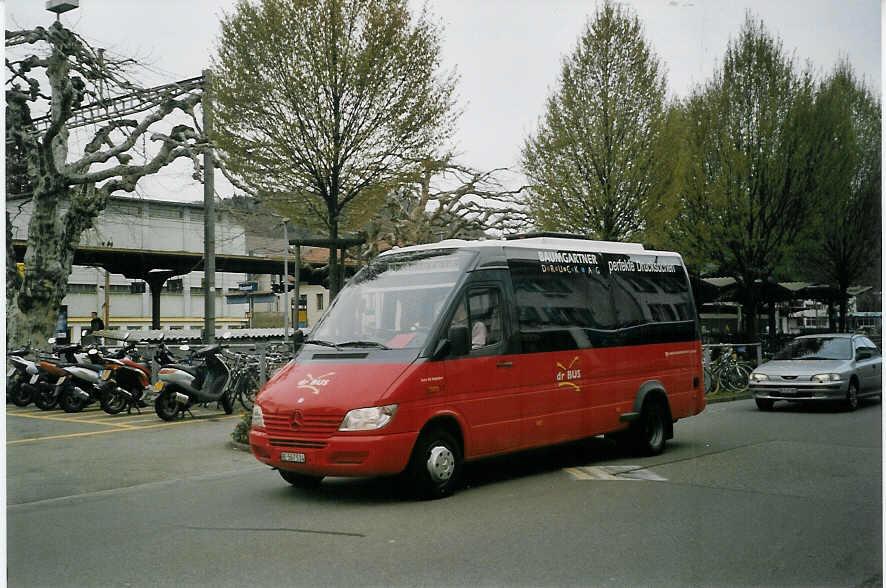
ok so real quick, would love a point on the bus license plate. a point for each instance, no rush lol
(292, 457)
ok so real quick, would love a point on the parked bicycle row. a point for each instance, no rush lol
(725, 371)
(72, 377)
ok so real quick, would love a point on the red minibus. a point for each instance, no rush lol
(438, 354)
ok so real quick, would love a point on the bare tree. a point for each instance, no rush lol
(69, 185)
(442, 199)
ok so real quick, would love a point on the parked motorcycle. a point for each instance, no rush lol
(18, 376)
(43, 386)
(182, 386)
(82, 383)
(125, 380)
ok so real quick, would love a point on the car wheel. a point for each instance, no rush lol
(851, 401)
(764, 403)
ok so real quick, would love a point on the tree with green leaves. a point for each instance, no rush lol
(597, 163)
(842, 241)
(319, 101)
(757, 153)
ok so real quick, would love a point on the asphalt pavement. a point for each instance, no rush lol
(740, 497)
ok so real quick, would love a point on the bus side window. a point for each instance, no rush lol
(482, 317)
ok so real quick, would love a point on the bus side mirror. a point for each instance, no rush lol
(459, 340)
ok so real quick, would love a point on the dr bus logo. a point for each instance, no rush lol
(311, 383)
(567, 373)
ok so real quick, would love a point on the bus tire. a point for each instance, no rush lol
(649, 432)
(435, 466)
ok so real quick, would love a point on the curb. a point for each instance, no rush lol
(240, 446)
(717, 399)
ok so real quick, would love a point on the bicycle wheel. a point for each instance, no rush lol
(248, 388)
(735, 379)
(708, 380)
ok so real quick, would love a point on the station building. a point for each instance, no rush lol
(134, 224)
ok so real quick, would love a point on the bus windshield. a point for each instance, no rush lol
(394, 302)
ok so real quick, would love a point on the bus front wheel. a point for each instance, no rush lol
(435, 466)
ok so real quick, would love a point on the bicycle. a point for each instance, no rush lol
(245, 382)
(726, 373)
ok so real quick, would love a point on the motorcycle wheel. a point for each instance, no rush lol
(166, 407)
(69, 402)
(45, 399)
(113, 402)
(22, 395)
(10, 387)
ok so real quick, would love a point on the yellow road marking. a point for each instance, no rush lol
(89, 433)
(578, 474)
(70, 420)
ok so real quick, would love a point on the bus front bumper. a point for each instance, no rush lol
(339, 455)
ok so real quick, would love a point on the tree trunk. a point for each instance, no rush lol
(334, 284)
(32, 314)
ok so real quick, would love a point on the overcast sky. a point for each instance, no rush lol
(506, 52)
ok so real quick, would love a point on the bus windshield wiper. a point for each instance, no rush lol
(318, 342)
(363, 344)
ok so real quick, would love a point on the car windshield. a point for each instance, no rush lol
(394, 302)
(817, 348)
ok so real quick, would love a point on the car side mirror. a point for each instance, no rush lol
(862, 354)
(298, 336)
(459, 340)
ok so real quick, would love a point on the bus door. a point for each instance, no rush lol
(483, 384)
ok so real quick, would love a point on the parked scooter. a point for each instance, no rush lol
(182, 386)
(43, 386)
(82, 383)
(20, 373)
(125, 381)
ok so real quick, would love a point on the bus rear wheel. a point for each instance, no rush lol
(648, 434)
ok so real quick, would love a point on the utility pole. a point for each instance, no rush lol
(106, 307)
(287, 309)
(209, 219)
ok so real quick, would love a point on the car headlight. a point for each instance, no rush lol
(368, 419)
(258, 419)
(823, 378)
(758, 377)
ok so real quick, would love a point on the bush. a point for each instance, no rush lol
(241, 431)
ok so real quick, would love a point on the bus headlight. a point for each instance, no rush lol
(368, 419)
(258, 419)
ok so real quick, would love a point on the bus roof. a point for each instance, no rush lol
(558, 243)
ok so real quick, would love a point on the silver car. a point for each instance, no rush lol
(833, 367)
